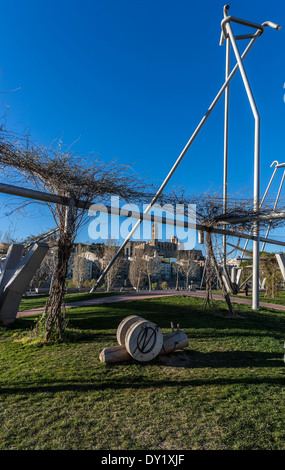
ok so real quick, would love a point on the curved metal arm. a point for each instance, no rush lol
(227, 19)
(259, 27)
(226, 8)
(278, 165)
(272, 25)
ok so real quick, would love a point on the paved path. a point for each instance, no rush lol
(148, 295)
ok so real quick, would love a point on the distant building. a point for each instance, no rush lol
(171, 249)
(88, 261)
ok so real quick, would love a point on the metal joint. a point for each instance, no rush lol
(258, 27)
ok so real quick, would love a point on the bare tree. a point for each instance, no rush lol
(79, 266)
(188, 268)
(73, 178)
(212, 261)
(150, 267)
(137, 273)
(177, 268)
(110, 250)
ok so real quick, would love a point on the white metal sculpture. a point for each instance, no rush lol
(227, 34)
(16, 280)
(231, 40)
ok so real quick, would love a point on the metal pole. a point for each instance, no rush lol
(226, 141)
(256, 184)
(178, 161)
(275, 205)
(274, 208)
(226, 145)
(252, 218)
(262, 201)
(270, 182)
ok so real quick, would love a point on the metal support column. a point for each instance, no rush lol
(226, 146)
(226, 142)
(256, 183)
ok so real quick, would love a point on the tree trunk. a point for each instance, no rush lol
(212, 257)
(208, 274)
(149, 283)
(138, 282)
(187, 281)
(55, 308)
(177, 280)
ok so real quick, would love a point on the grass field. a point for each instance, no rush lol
(226, 392)
(279, 300)
(39, 301)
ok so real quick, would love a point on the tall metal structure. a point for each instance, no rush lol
(227, 33)
(231, 40)
(19, 280)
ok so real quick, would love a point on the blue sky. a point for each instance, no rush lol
(131, 80)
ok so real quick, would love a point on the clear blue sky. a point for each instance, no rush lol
(131, 80)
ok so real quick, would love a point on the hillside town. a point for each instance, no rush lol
(144, 265)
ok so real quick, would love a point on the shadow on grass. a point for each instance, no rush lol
(221, 359)
(135, 383)
(88, 336)
(24, 323)
(188, 316)
(187, 311)
(187, 359)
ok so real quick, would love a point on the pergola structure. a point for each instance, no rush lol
(227, 36)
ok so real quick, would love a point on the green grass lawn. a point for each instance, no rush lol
(279, 300)
(39, 301)
(229, 394)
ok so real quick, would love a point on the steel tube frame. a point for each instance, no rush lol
(224, 34)
(225, 27)
(274, 208)
(270, 182)
(179, 159)
(47, 197)
(226, 145)
(256, 184)
(270, 222)
(275, 215)
(262, 201)
(252, 218)
(226, 30)
(228, 19)
(51, 198)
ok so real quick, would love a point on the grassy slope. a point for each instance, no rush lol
(230, 397)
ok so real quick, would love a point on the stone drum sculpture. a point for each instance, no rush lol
(142, 340)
